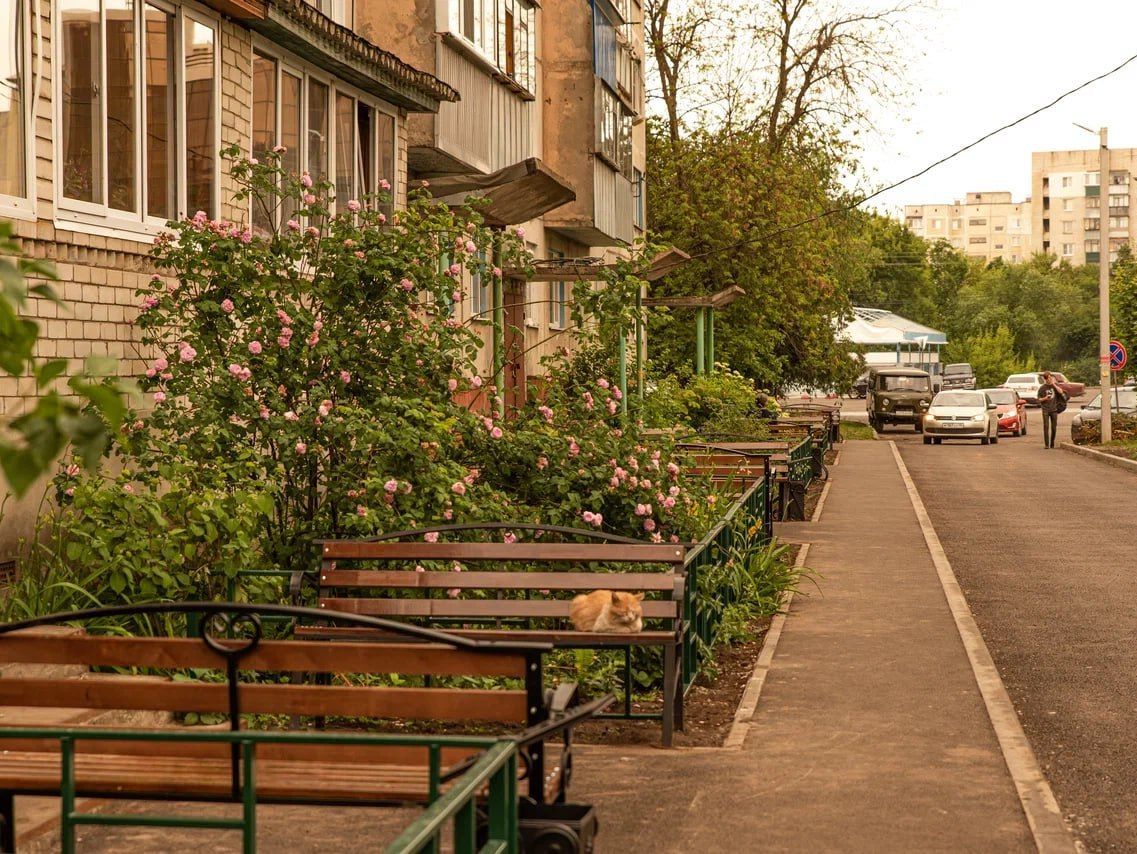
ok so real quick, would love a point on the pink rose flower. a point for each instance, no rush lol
(293, 225)
(649, 524)
(669, 502)
(458, 488)
(150, 372)
(497, 272)
(345, 377)
(301, 448)
(306, 181)
(353, 205)
(159, 396)
(160, 364)
(312, 231)
(471, 246)
(546, 412)
(360, 510)
(509, 537)
(496, 433)
(542, 462)
(452, 385)
(603, 383)
(612, 407)
(407, 285)
(456, 296)
(291, 416)
(448, 514)
(574, 448)
(255, 347)
(384, 184)
(476, 381)
(431, 536)
(392, 486)
(309, 199)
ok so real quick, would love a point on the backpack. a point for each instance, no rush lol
(1060, 398)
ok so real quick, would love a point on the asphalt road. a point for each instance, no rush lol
(1042, 544)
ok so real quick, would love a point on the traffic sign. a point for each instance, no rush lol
(1118, 357)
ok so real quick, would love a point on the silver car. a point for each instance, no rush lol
(961, 415)
(1124, 403)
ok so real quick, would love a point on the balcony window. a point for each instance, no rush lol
(502, 32)
(638, 190)
(14, 178)
(481, 297)
(129, 75)
(613, 130)
(974, 240)
(1119, 222)
(976, 222)
(337, 135)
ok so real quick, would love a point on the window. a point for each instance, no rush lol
(1067, 181)
(1093, 246)
(976, 222)
(481, 296)
(977, 240)
(915, 222)
(1067, 226)
(14, 178)
(1093, 202)
(1016, 222)
(638, 189)
(1119, 179)
(340, 11)
(956, 224)
(1067, 249)
(613, 130)
(325, 128)
(558, 299)
(130, 75)
(1067, 204)
(1119, 222)
(1016, 240)
(1119, 201)
(1093, 179)
(503, 32)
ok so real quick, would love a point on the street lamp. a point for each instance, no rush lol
(1103, 285)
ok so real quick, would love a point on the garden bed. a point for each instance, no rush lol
(1124, 450)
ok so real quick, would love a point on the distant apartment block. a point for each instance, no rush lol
(987, 225)
(1071, 214)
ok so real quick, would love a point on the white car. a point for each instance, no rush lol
(961, 415)
(1027, 385)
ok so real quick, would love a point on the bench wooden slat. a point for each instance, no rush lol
(357, 754)
(409, 579)
(566, 637)
(521, 551)
(176, 653)
(488, 608)
(102, 692)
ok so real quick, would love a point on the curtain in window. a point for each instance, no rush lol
(345, 150)
(264, 132)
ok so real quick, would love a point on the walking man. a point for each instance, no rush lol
(1052, 400)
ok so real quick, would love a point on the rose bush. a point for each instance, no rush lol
(303, 386)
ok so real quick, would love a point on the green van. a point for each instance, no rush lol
(898, 396)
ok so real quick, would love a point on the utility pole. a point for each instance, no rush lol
(1103, 292)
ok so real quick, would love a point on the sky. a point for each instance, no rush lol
(974, 65)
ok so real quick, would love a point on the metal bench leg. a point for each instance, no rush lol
(7, 822)
(670, 669)
(679, 692)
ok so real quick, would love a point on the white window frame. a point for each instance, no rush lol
(488, 43)
(481, 293)
(290, 63)
(24, 207)
(1067, 250)
(101, 219)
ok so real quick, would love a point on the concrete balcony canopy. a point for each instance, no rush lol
(515, 194)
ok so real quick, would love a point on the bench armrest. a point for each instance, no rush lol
(568, 720)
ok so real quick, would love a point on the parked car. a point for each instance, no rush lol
(1071, 388)
(962, 415)
(861, 386)
(958, 375)
(1010, 409)
(1124, 403)
(1027, 386)
(898, 396)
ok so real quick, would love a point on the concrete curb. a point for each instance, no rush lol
(744, 715)
(1100, 456)
(1038, 802)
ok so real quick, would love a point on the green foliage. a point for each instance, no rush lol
(714, 193)
(84, 418)
(722, 402)
(991, 354)
(1123, 299)
(899, 276)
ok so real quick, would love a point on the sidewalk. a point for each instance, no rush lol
(870, 734)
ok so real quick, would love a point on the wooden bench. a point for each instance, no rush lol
(495, 602)
(167, 762)
(779, 460)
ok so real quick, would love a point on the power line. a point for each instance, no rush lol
(853, 205)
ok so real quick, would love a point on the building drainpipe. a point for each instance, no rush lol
(622, 351)
(640, 346)
(499, 333)
(710, 340)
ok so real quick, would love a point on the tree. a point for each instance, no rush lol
(991, 355)
(897, 272)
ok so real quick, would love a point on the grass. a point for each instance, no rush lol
(855, 430)
(1126, 448)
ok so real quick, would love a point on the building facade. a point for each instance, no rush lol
(112, 117)
(548, 129)
(1074, 219)
(985, 226)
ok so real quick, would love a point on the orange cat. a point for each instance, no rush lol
(607, 611)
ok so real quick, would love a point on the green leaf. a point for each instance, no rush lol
(48, 371)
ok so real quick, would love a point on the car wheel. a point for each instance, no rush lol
(986, 440)
(995, 439)
(927, 440)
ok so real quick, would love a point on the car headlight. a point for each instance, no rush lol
(884, 401)
(979, 417)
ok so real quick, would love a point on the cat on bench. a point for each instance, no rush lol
(607, 611)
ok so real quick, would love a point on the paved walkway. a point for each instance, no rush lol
(871, 733)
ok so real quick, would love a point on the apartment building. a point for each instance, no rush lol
(548, 128)
(1074, 218)
(985, 226)
(112, 117)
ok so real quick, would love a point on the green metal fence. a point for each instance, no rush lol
(746, 518)
(495, 772)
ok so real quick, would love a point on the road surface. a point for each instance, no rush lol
(1042, 544)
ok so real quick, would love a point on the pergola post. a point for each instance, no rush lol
(700, 328)
(711, 340)
(622, 350)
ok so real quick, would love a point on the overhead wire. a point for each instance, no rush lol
(856, 204)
